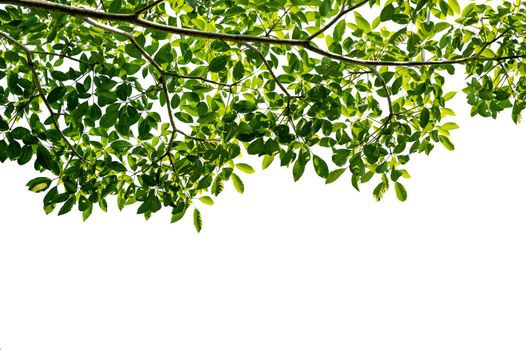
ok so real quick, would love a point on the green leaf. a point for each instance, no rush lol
(387, 13)
(25, 155)
(68, 205)
(256, 147)
(379, 191)
(339, 31)
(46, 160)
(267, 160)
(449, 126)
(198, 220)
(239, 71)
(362, 23)
(320, 166)
(298, 169)
(401, 192)
(121, 146)
(218, 64)
(325, 8)
(178, 212)
(334, 175)
(108, 120)
(164, 55)
(87, 212)
(424, 117)
(446, 142)
(3, 125)
(152, 204)
(238, 184)
(206, 200)
(245, 168)
(56, 94)
(39, 184)
(453, 4)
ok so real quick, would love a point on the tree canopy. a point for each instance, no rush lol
(154, 102)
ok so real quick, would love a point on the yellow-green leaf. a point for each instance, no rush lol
(206, 200)
(401, 192)
(198, 220)
(245, 168)
(238, 184)
(362, 23)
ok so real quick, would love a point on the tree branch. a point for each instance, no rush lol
(60, 55)
(239, 38)
(40, 90)
(386, 89)
(342, 13)
(162, 78)
(147, 7)
(269, 67)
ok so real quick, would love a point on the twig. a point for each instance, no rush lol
(342, 13)
(162, 80)
(147, 7)
(40, 90)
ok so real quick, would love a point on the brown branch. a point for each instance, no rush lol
(239, 38)
(83, 12)
(40, 90)
(60, 55)
(386, 89)
(269, 67)
(271, 28)
(342, 13)
(147, 7)
(181, 76)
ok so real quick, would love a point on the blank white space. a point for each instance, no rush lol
(286, 265)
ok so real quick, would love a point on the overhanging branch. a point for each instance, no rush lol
(307, 44)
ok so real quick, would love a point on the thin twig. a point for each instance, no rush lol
(342, 13)
(147, 7)
(40, 90)
(162, 80)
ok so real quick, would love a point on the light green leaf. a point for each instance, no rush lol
(362, 23)
(320, 167)
(238, 184)
(198, 220)
(446, 142)
(267, 160)
(454, 6)
(206, 200)
(334, 175)
(401, 192)
(245, 168)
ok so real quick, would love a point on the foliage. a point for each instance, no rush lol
(154, 102)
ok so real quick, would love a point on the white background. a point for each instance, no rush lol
(286, 265)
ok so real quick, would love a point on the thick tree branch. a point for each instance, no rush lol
(36, 81)
(132, 19)
(240, 38)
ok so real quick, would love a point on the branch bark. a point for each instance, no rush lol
(239, 38)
